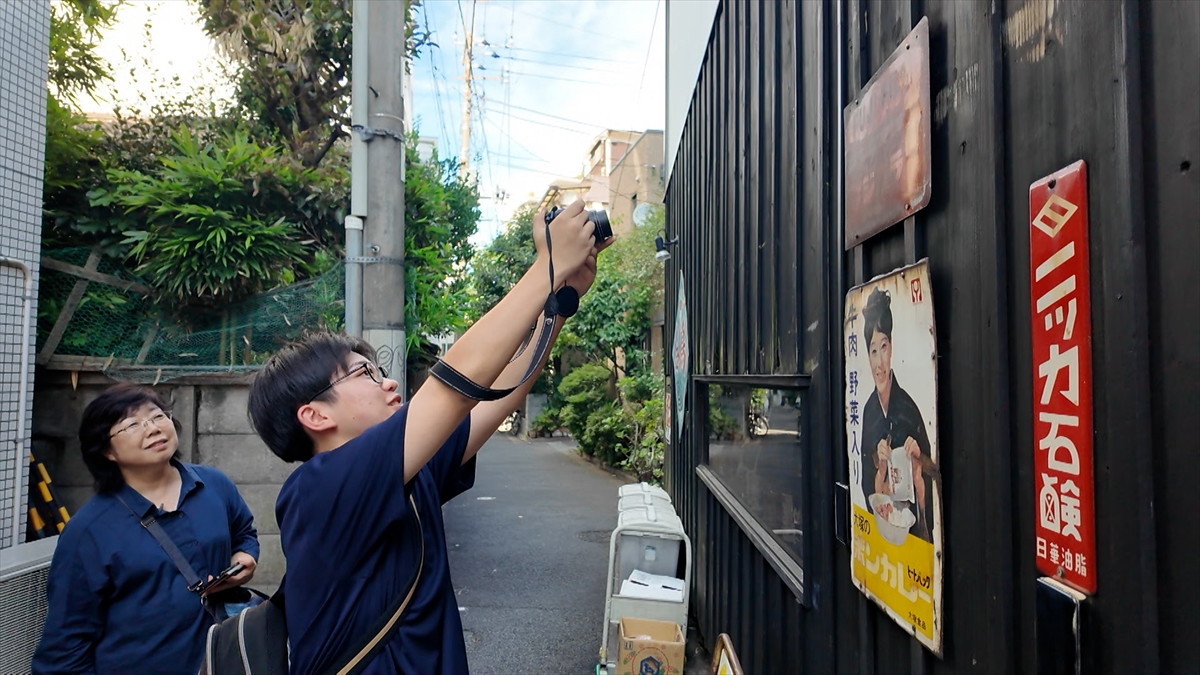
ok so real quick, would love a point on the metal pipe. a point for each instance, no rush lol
(359, 89)
(22, 393)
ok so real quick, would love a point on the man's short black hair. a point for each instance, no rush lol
(288, 381)
(111, 406)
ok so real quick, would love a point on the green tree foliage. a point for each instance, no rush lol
(441, 213)
(211, 202)
(74, 69)
(497, 268)
(295, 65)
(207, 231)
(73, 66)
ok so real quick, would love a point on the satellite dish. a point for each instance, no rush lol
(642, 213)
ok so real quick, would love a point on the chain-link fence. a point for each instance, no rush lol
(93, 313)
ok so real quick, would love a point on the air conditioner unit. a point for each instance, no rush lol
(23, 572)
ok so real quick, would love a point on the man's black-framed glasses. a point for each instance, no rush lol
(376, 373)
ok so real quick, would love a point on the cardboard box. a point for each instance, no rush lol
(650, 647)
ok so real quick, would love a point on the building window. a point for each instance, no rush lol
(754, 463)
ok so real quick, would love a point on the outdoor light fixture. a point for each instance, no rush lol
(661, 254)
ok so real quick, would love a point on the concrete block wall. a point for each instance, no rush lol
(216, 432)
(225, 440)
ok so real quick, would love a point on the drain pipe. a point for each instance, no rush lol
(359, 89)
(23, 392)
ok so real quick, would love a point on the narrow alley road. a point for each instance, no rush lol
(528, 554)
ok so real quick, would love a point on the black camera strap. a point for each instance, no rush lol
(562, 303)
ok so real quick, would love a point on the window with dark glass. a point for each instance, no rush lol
(755, 451)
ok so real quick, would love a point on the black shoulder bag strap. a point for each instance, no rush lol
(194, 583)
(562, 303)
(360, 652)
(181, 562)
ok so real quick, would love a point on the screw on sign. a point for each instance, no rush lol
(1060, 307)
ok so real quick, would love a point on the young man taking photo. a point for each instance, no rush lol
(377, 472)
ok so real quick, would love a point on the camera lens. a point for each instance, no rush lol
(603, 228)
(599, 218)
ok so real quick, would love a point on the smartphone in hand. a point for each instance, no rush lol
(225, 574)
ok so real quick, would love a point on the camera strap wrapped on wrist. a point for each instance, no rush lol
(562, 303)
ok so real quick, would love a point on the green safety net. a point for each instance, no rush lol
(129, 337)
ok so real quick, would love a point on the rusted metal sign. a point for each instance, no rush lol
(1060, 305)
(887, 142)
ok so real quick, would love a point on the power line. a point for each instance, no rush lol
(646, 61)
(532, 155)
(570, 56)
(437, 91)
(553, 117)
(483, 132)
(559, 65)
(552, 126)
(565, 79)
(590, 32)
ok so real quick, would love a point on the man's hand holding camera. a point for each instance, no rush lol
(574, 243)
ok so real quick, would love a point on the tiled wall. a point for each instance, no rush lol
(24, 43)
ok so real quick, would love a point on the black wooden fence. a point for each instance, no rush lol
(1020, 89)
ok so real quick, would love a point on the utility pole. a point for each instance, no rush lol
(464, 157)
(379, 136)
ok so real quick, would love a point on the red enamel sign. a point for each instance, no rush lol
(1060, 305)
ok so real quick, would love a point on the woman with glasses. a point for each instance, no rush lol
(117, 602)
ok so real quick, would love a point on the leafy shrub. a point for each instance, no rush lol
(643, 456)
(584, 391)
(205, 234)
(546, 423)
(721, 425)
(607, 432)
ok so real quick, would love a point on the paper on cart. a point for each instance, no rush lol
(652, 587)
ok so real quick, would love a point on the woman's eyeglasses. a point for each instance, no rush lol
(377, 375)
(159, 419)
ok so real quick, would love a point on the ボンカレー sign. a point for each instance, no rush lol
(1060, 305)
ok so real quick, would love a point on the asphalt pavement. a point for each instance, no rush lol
(528, 548)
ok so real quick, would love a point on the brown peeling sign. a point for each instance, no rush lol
(887, 142)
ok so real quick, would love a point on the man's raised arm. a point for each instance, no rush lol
(483, 352)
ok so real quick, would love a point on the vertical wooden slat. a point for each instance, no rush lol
(789, 191)
(1171, 105)
(769, 304)
(751, 296)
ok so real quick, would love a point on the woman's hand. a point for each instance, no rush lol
(247, 573)
(883, 455)
(914, 454)
(912, 449)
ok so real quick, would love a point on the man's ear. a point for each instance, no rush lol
(314, 418)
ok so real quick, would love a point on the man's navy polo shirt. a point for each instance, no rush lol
(347, 531)
(115, 601)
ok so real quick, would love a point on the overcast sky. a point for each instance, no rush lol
(574, 68)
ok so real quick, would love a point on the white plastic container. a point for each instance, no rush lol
(643, 488)
(641, 500)
(646, 536)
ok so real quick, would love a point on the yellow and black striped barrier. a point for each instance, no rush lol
(47, 517)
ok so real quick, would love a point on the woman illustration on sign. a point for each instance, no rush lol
(891, 419)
